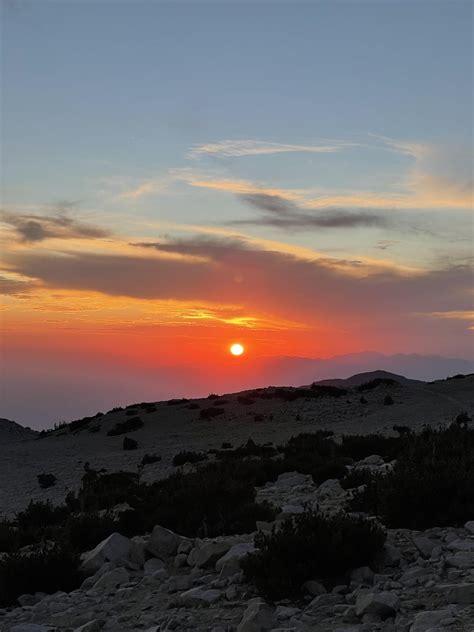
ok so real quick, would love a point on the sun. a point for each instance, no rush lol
(236, 349)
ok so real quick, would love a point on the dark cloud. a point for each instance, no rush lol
(34, 228)
(14, 287)
(234, 273)
(282, 213)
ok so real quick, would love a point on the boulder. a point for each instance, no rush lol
(469, 526)
(312, 587)
(112, 579)
(206, 555)
(163, 543)
(383, 604)
(463, 560)
(428, 620)
(459, 593)
(462, 545)
(373, 459)
(330, 488)
(152, 565)
(424, 545)
(116, 548)
(199, 596)
(91, 626)
(363, 575)
(257, 617)
(234, 555)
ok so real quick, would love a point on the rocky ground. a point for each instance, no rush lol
(162, 581)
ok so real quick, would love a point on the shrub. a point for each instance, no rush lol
(213, 396)
(311, 546)
(402, 430)
(379, 381)
(363, 400)
(148, 459)
(246, 401)
(359, 446)
(226, 445)
(193, 406)
(40, 514)
(188, 457)
(357, 477)
(462, 419)
(248, 449)
(130, 412)
(46, 480)
(103, 491)
(84, 531)
(209, 413)
(432, 483)
(129, 444)
(176, 402)
(48, 570)
(122, 427)
(388, 400)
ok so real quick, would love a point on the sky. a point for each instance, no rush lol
(179, 176)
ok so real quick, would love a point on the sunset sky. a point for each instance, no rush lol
(179, 176)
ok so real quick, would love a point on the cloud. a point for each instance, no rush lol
(16, 287)
(282, 213)
(385, 244)
(282, 285)
(237, 148)
(37, 228)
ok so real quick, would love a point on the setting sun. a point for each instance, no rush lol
(237, 349)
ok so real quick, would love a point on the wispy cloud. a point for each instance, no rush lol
(236, 148)
(37, 228)
(385, 244)
(281, 213)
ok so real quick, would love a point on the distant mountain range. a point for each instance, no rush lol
(295, 371)
(58, 395)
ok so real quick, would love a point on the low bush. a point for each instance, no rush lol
(46, 480)
(129, 444)
(388, 400)
(311, 546)
(47, 570)
(210, 413)
(246, 401)
(188, 457)
(122, 427)
(378, 381)
(431, 484)
(148, 459)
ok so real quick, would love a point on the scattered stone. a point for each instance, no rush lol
(383, 604)
(163, 543)
(116, 548)
(257, 617)
(234, 555)
(206, 555)
(112, 579)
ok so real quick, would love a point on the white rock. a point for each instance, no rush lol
(206, 555)
(116, 548)
(200, 596)
(330, 488)
(92, 626)
(425, 621)
(153, 565)
(424, 545)
(469, 526)
(257, 617)
(163, 543)
(383, 604)
(112, 579)
(235, 554)
(458, 593)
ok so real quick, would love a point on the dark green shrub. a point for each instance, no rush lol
(103, 491)
(176, 402)
(356, 478)
(363, 400)
(379, 381)
(388, 400)
(402, 430)
(148, 459)
(47, 571)
(357, 447)
(84, 531)
(193, 406)
(129, 425)
(188, 457)
(311, 546)
(209, 413)
(46, 480)
(213, 396)
(129, 444)
(248, 449)
(246, 401)
(39, 515)
(432, 483)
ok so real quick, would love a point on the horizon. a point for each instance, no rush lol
(294, 178)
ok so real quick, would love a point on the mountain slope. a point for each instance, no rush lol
(11, 431)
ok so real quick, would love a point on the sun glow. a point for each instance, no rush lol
(236, 349)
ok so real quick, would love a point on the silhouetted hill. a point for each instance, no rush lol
(11, 431)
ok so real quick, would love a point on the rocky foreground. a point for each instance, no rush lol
(163, 581)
